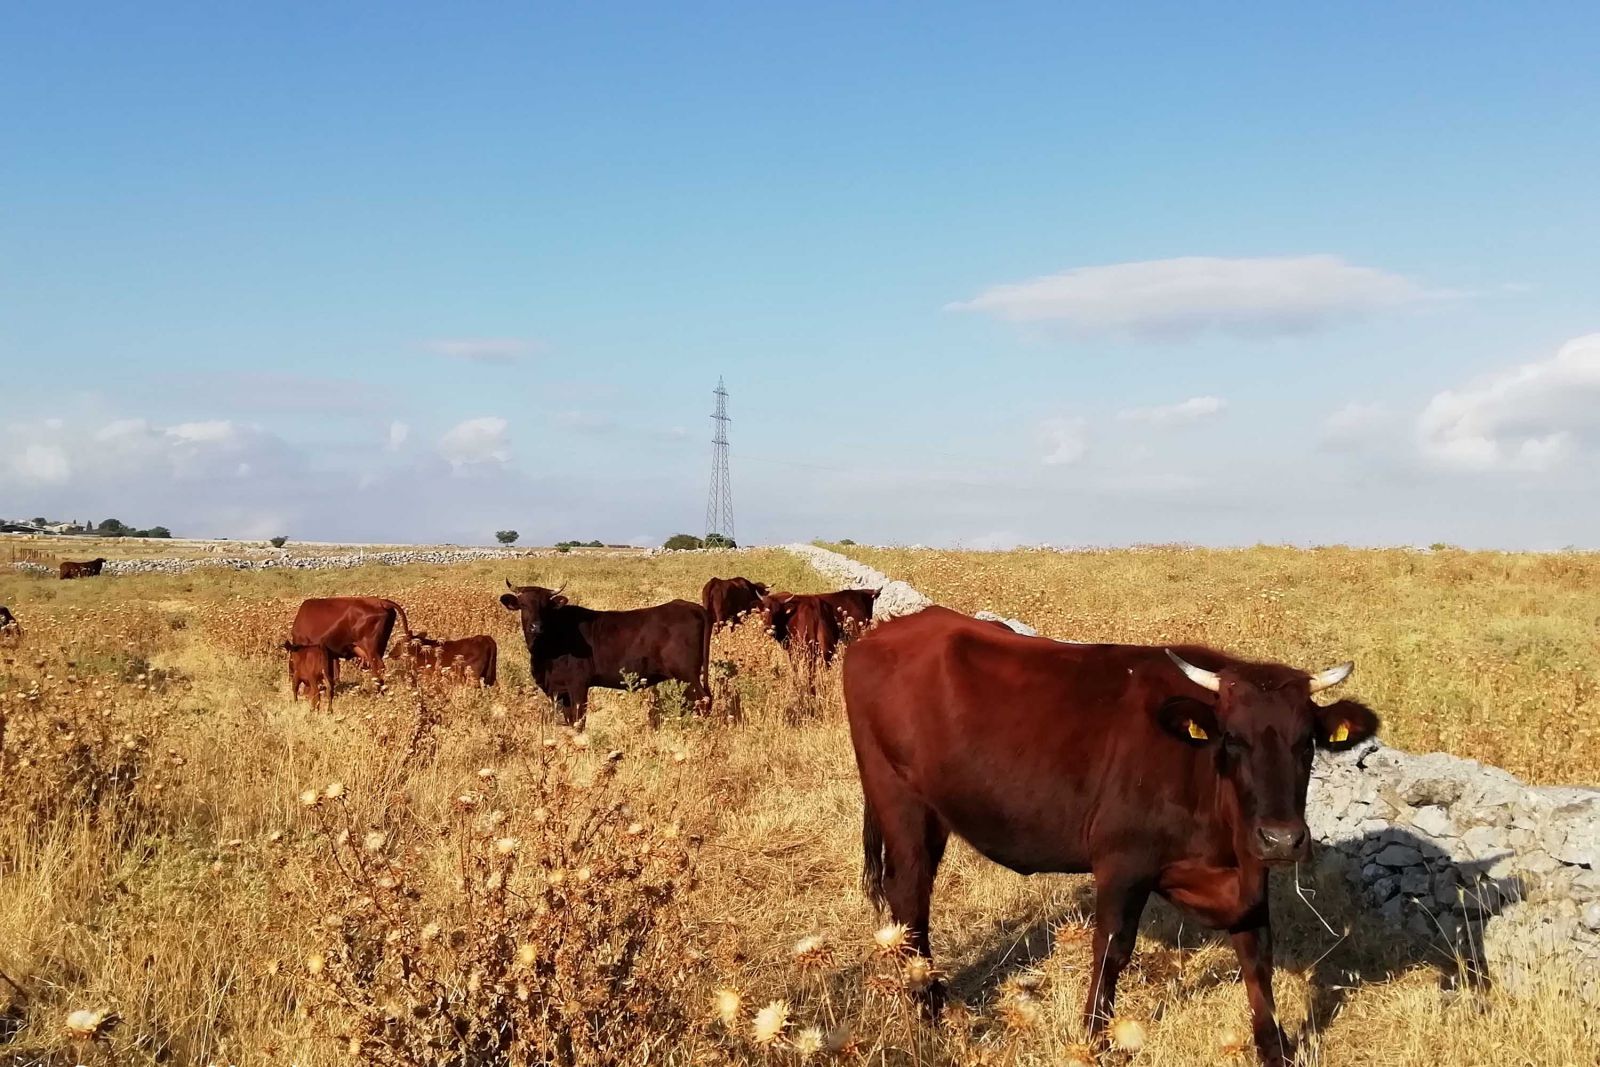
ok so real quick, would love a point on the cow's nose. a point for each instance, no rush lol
(1281, 843)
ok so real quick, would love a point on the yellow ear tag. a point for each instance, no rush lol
(1195, 731)
(1340, 734)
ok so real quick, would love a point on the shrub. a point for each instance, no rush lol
(562, 938)
(683, 541)
(846, 541)
(278, 542)
(718, 540)
(506, 537)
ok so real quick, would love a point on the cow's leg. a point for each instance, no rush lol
(1252, 940)
(1119, 901)
(578, 706)
(911, 841)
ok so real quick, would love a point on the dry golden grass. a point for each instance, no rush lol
(163, 875)
(1490, 655)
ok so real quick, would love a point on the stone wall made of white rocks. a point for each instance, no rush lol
(289, 560)
(1450, 849)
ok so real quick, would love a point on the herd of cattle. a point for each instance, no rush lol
(573, 649)
(1180, 772)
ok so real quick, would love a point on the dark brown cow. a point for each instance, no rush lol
(311, 667)
(1184, 777)
(86, 569)
(573, 649)
(471, 659)
(10, 628)
(728, 600)
(349, 627)
(808, 627)
(854, 607)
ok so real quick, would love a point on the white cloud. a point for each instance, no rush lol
(585, 420)
(398, 432)
(1065, 441)
(1531, 418)
(43, 465)
(212, 432)
(1183, 298)
(1358, 426)
(483, 349)
(1196, 407)
(476, 441)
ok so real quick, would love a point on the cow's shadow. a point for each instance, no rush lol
(1327, 925)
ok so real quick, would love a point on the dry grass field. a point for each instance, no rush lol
(195, 870)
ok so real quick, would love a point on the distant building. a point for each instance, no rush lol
(64, 528)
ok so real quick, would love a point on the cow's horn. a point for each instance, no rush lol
(510, 586)
(1204, 679)
(1331, 677)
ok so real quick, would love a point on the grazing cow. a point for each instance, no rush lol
(573, 649)
(314, 668)
(808, 627)
(854, 607)
(471, 659)
(349, 627)
(86, 569)
(728, 600)
(1178, 772)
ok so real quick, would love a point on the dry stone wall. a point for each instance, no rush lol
(1507, 874)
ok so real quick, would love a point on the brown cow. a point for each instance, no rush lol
(854, 607)
(572, 649)
(728, 600)
(86, 569)
(467, 659)
(311, 667)
(349, 627)
(1179, 772)
(808, 627)
(10, 628)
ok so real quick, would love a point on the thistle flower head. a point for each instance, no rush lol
(808, 1042)
(892, 938)
(1127, 1034)
(334, 791)
(725, 1003)
(770, 1022)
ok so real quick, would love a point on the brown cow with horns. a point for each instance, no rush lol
(572, 649)
(82, 569)
(1180, 772)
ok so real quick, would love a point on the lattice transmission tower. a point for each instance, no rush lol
(719, 501)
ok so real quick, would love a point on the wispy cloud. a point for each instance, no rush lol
(398, 432)
(1195, 408)
(1065, 441)
(586, 421)
(476, 442)
(1530, 418)
(1186, 297)
(483, 349)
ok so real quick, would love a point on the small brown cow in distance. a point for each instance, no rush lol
(467, 659)
(349, 627)
(729, 600)
(311, 667)
(10, 628)
(86, 569)
(1178, 772)
(572, 649)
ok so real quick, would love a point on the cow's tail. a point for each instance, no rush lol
(873, 856)
(405, 623)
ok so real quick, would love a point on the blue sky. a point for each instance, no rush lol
(975, 274)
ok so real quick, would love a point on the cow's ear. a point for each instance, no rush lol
(558, 601)
(1194, 722)
(511, 601)
(1344, 724)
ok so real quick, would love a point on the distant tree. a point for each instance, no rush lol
(846, 541)
(506, 537)
(41, 522)
(682, 541)
(717, 540)
(563, 547)
(154, 531)
(113, 528)
(279, 541)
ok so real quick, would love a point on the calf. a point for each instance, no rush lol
(572, 649)
(467, 659)
(728, 600)
(808, 628)
(314, 668)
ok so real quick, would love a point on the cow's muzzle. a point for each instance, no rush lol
(1282, 844)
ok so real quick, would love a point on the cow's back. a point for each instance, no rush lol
(337, 621)
(1028, 748)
